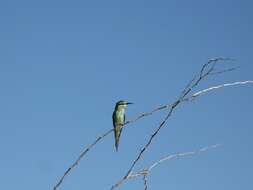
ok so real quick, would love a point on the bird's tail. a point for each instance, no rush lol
(117, 133)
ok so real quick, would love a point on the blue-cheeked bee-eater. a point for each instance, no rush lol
(118, 118)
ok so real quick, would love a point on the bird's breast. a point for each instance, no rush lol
(120, 117)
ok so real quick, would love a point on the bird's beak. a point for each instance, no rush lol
(129, 103)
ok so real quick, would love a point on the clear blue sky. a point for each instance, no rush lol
(64, 64)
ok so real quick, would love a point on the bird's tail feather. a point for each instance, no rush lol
(117, 133)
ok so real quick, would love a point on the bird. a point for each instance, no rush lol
(118, 118)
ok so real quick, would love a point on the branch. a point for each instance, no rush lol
(80, 157)
(98, 139)
(163, 107)
(191, 97)
(201, 92)
(145, 172)
(145, 181)
(206, 70)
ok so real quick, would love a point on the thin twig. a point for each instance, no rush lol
(80, 157)
(219, 86)
(147, 171)
(144, 173)
(145, 182)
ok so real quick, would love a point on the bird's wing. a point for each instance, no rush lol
(113, 119)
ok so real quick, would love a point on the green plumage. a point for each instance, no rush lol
(118, 118)
(118, 122)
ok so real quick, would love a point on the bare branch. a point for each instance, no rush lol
(145, 181)
(218, 87)
(145, 147)
(80, 157)
(86, 150)
(147, 171)
(194, 95)
(206, 70)
(183, 154)
(211, 71)
(144, 173)
(224, 71)
(193, 83)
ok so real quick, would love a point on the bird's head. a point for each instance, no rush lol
(122, 104)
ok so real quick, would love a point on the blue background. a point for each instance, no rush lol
(64, 64)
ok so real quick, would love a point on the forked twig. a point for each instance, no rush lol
(144, 173)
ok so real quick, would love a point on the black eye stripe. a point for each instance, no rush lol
(121, 103)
